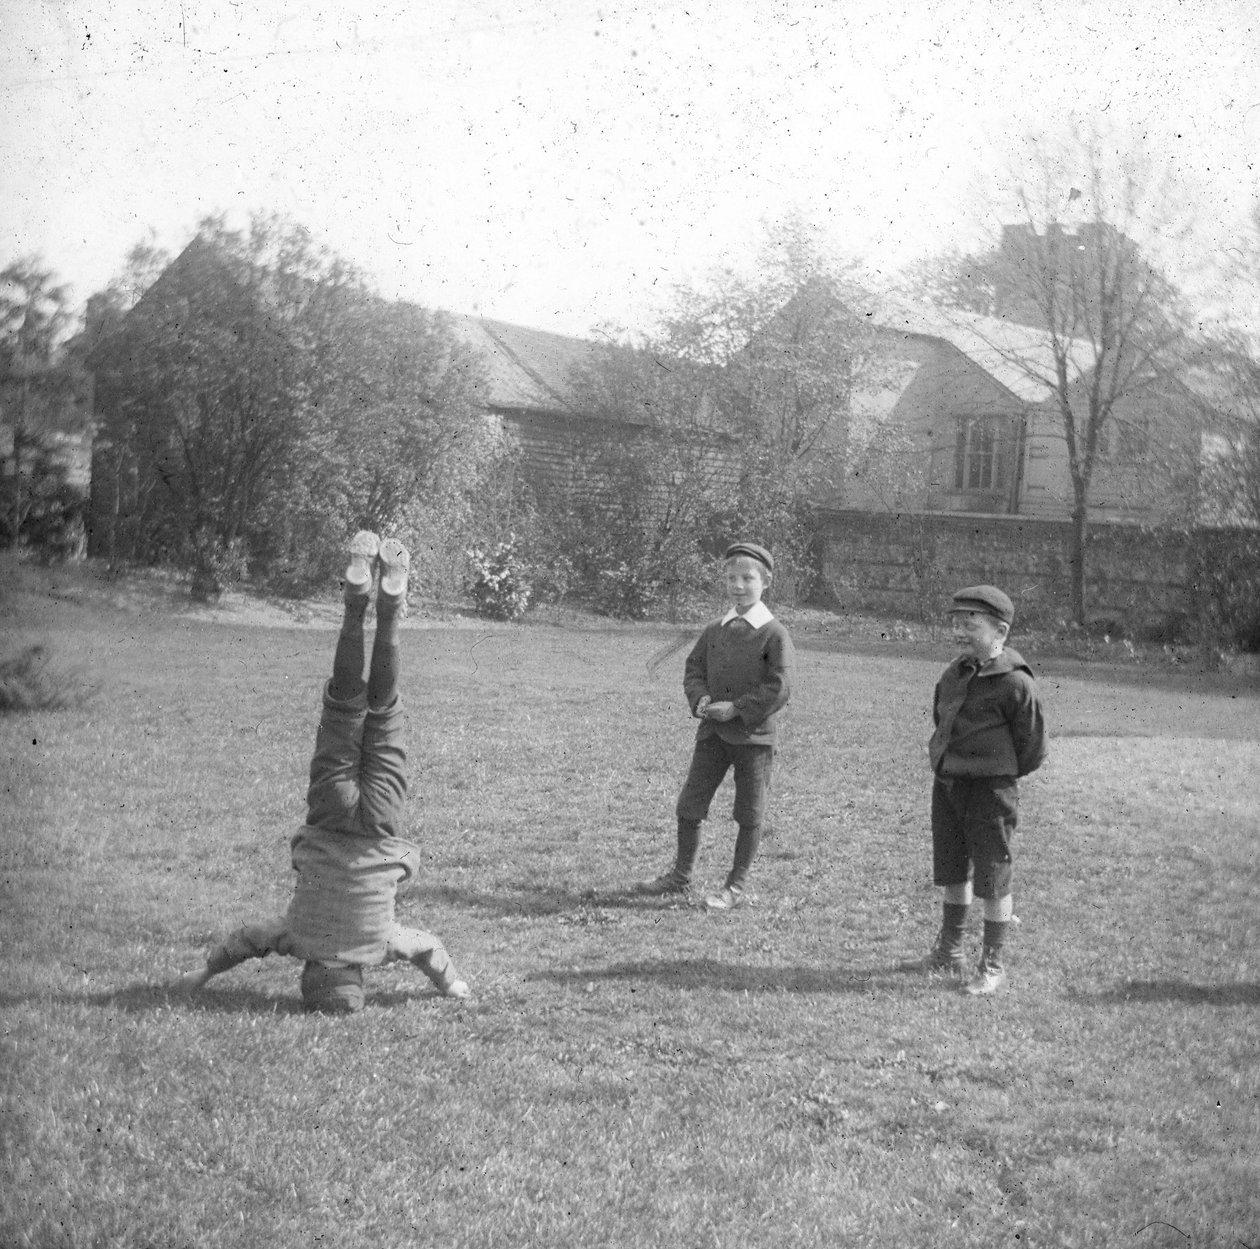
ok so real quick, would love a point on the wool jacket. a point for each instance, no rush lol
(342, 909)
(988, 722)
(748, 663)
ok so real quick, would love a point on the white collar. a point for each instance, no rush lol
(757, 615)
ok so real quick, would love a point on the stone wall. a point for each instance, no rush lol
(908, 565)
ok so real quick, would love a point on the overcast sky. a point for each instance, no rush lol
(561, 163)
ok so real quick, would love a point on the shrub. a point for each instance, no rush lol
(52, 508)
(497, 583)
(627, 591)
(29, 683)
(552, 579)
(299, 558)
(1228, 584)
(215, 565)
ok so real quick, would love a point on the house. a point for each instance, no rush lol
(526, 382)
(960, 472)
(970, 428)
(528, 385)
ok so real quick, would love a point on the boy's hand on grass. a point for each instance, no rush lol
(720, 711)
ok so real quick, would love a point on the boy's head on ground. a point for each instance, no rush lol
(332, 990)
(748, 570)
(980, 617)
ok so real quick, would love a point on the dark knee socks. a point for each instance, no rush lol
(952, 923)
(688, 848)
(382, 686)
(347, 674)
(747, 843)
(994, 939)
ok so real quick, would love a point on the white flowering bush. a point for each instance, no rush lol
(497, 583)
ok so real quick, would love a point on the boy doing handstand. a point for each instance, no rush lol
(349, 856)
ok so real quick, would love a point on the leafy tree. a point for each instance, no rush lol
(1230, 361)
(780, 350)
(121, 494)
(259, 399)
(628, 528)
(40, 391)
(744, 394)
(209, 378)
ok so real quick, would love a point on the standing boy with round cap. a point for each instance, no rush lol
(737, 679)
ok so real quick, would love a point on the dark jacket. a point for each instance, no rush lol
(751, 668)
(988, 723)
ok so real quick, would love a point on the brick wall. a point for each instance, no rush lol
(908, 565)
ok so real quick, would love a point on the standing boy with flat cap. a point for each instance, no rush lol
(989, 732)
(737, 679)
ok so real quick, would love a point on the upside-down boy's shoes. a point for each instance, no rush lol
(395, 563)
(364, 547)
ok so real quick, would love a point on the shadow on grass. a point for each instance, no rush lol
(540, 901)
(711, 974)
(141, 998)
(1242, 993)
(217, 999)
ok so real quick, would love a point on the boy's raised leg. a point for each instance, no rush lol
(356, 589)
(382, 773)
(391, 608)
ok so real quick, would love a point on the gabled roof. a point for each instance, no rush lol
(991, 343)
(525, 369)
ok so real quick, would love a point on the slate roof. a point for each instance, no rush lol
(993, 344)
(527, 370)
(531, 370)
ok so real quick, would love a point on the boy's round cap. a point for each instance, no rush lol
(985, 598)
(753, 551)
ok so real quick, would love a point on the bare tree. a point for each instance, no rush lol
(1114, 324)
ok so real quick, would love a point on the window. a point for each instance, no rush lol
(1134, 440)
(978, 454)
(1131, 442)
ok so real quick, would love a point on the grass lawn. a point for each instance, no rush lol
(628, 1073)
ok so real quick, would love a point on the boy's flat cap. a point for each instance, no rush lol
(753, 551)
(985, 598)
